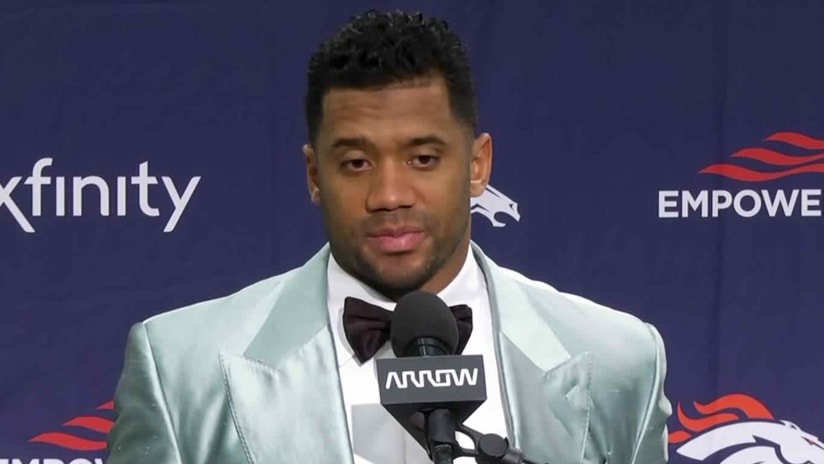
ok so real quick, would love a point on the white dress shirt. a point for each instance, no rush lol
(375, 435)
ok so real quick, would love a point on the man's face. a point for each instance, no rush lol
(393, 171)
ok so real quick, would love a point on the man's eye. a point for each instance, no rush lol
(356, 164)
(425, 160)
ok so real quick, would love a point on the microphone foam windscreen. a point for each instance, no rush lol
(422, 314)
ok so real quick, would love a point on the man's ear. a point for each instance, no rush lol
(311, 173)
(480, 167)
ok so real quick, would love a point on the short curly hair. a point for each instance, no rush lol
(378, 48)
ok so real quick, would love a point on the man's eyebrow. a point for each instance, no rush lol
(349, 142)
(363, 142)
(426, 140)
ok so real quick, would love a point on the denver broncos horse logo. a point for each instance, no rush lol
(738, 429)
(492, 202)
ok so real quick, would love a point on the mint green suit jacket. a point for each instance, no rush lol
(252, 378)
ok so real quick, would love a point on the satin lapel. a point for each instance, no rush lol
(284, 391)
(546, 391)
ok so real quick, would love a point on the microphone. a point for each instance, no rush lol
(428, 389)
(422, 325)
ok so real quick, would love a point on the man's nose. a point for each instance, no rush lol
(390, 187)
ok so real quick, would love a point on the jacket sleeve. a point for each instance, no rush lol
(652, 440)
(143, 431)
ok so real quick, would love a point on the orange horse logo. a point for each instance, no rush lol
(741, 430)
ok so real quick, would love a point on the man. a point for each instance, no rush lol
(273, 373)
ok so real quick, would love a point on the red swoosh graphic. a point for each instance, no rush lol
(679, 437)
(748, 175)
(64, 440)
(98, 424)
(775, 158)
(797, 139)
(107, 406)
(714, 415)
(699, 425)
(751, 407)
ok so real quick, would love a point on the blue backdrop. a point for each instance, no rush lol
(666, 159)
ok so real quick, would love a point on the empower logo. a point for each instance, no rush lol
(748, 202)
(93, 427)
(739, 429)
(52, 191)
(50, 461)
(437, 378)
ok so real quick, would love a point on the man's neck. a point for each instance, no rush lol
(444, 278)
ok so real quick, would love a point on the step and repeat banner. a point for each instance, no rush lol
(662, 158)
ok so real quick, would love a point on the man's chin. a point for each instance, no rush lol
(397, 273)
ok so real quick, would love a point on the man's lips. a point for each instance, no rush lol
(396, 240)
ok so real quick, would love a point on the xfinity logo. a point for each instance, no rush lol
(434, 378)
(52, 192)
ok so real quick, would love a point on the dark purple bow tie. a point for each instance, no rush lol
(367, 326)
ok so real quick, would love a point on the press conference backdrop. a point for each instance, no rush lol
(663, 158)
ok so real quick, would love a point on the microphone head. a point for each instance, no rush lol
(422, 314)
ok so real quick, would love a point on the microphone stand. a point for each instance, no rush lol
(440, 433)
(489, 447)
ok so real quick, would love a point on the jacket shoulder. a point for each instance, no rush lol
(226, 322)
(583, 325)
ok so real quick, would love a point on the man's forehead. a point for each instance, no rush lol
(404, 109)
(419, 90)
(433, 81)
